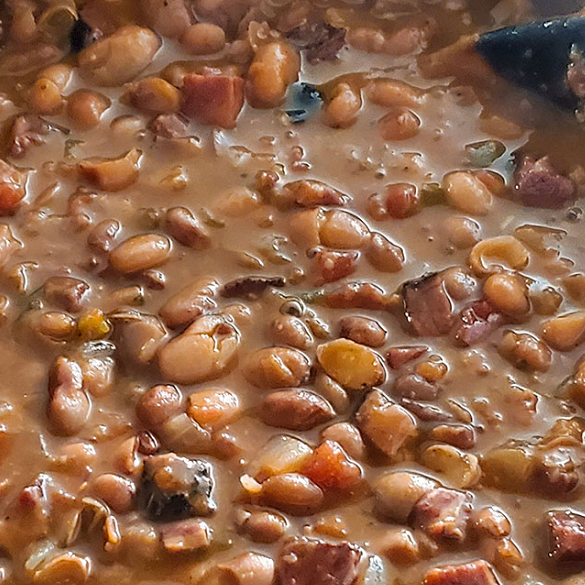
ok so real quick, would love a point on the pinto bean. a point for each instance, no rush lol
(362, 330)
(508, 293)
(116, 491)
(263, 526)
(466, 192)
(384, 254)
(140, 335)
(112, 174)
(103, 234)
(348, 436)
(190, 302)
(213, 409)
(398, 491)
(462, 232)
(204, 351)
(69, 406)
(342, 109)
(45, 97)
(292, 493)
(399, 124)
(276, 367)
(186, 228)
(169, 18)
(275, 66)
(98, 375)
(158, 404)
(565, 332)
(119, 58)
(526, 351)
(203, 39)
(85, 108)
(154, 95)
(294, 409)
(289, 330)
(343, 230)
(140, 253)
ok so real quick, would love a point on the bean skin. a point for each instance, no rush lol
(140, 253)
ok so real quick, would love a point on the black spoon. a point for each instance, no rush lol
(546, 57)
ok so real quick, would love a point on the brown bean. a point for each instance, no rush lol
(186, 228)
(402, 200)
(466, 192)
(140, 253)
(343, 230)
(190, 302)
(289, 330)
(66, 292)
(508, 293)
(294, 409)
(203, 352)
(384, 255)
(263, 526)
(85, 108)
(276, 367)
(399, 124)
(526, 351)
(112, 174)
(119, 58)
(362, 330)
(462, 232)
(203, 39)
(140, 335)
(332, 391)
(154, 95)
(565, 332)
(102, 236)
(292, 493)
(55, 325)
(116, 491)
(342, 109)
(45, 97)
(348, 436)
(400, 547)
(275, 66)
(158, 404)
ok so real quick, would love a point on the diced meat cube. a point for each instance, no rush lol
(427, 306)
(385, 424)
(443, 514)
(306, 561)
(27, 130)
(295, 409)
(477, 322)
(475, 573)
(186, 536)
(566, 532)
(12, 189)
(538, 184)
(170, 126)
(66, 292)
(330, 468)
(213, 99)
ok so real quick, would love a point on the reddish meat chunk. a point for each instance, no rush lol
(27, 130)
(566, 533)
(427, 306)
(475, 573)
(170, 126)
(12, 189)
(213, 99)
(443, 514)
(538, 184)
(306, 561)
(399, 356)
(477, 322)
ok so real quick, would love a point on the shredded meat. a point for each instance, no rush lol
(443, 514)
(538, 184)
(477, 322)
(170, 126)
(427, 306)
(27, 130)
(306, 561)
(321, 41)
(251, 287)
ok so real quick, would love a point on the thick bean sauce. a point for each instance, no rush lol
(291, 293)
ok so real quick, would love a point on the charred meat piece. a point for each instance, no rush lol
(566, 532)
(251, 287)
(305, 561)
(538, 184)
(477, 322)
(427, 306)
(320, 41)
(175, 487)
